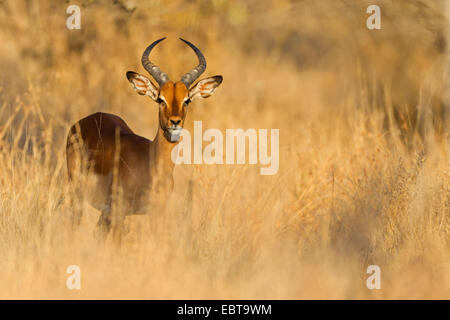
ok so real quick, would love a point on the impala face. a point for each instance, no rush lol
(173, 97)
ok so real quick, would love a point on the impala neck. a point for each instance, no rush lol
(163, 153)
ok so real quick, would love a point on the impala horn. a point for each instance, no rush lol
(192, 75)
(160, 76)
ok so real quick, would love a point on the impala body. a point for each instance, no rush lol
(104, 154)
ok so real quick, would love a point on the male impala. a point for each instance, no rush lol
(103, 144)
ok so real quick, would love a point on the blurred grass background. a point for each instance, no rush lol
(364, 164)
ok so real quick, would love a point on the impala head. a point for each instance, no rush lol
(173, 97)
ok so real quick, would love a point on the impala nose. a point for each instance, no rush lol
(175, 122)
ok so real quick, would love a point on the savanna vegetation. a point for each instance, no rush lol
(364, 149)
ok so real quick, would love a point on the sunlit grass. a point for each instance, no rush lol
(357, 185)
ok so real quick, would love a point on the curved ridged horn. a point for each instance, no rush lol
(160, 76)
(192, 75)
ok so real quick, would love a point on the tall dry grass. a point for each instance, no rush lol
(364, 153)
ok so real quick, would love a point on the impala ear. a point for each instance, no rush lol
(143, 85)
(205, 88)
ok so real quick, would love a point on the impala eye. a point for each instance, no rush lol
(186, 102)
(161, 102)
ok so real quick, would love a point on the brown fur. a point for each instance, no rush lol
(141, 164)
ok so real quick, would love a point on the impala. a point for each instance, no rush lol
(103, 147)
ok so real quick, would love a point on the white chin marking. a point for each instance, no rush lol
(173, 136)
